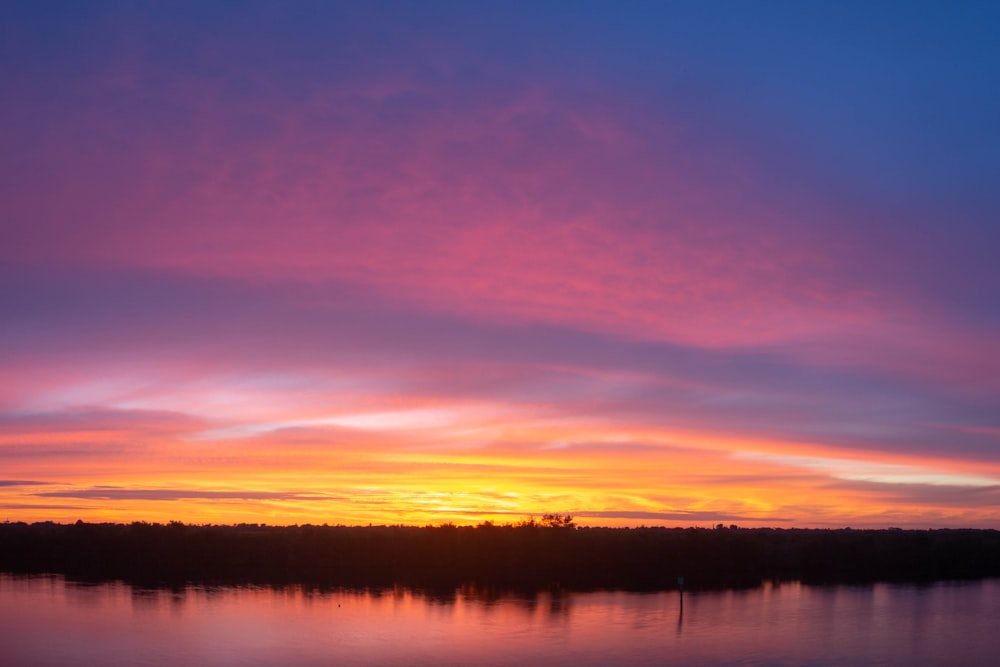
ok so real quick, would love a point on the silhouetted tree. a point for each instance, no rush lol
(530, 555)
(557, 521)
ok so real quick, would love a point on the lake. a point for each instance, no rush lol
(46, 621)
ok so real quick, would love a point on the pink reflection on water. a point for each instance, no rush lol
(45, 621)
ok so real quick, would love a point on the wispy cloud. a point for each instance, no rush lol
(680, 516)
(114, 493)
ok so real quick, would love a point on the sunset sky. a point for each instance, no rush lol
(666, 263)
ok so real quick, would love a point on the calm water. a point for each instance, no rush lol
(46, 621)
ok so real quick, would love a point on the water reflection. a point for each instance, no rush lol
(46, 621)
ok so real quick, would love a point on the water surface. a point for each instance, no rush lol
(48, 622)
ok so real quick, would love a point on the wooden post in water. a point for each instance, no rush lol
(680, 587)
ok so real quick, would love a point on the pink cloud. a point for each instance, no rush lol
(525, 208)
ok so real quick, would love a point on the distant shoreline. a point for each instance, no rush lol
(524, 557)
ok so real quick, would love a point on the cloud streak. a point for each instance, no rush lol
(113, 493)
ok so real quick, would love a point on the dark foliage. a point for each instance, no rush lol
(530, 556)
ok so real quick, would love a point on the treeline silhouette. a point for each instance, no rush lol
(530, 556)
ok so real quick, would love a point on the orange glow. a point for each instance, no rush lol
(439, 473)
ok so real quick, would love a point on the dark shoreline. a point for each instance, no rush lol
(515, 558)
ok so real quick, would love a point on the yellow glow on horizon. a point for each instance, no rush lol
(421, 466)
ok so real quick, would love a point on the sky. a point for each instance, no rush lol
(666, 263)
